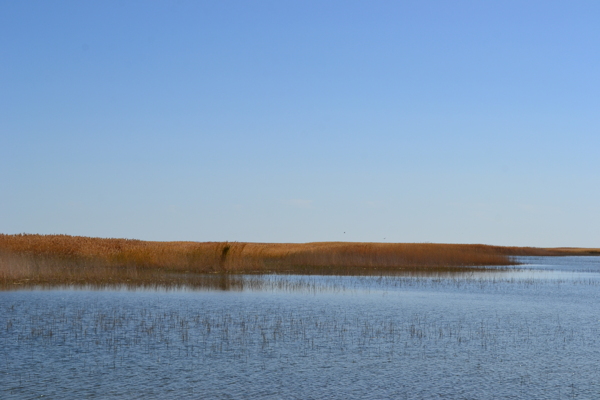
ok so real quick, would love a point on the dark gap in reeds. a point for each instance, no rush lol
(71, 260)
(224, 255)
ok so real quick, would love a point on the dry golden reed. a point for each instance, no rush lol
(27, 258)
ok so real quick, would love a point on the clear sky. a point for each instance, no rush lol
(297, 121)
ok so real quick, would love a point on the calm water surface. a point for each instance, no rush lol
(517, 334)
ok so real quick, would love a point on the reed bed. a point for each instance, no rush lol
(63, 259)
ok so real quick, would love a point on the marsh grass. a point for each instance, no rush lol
(62, 259)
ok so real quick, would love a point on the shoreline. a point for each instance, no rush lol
(29, 259)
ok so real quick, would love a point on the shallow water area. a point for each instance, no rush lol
(557, 268)
(527, 332)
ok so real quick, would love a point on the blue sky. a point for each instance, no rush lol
(296, 121)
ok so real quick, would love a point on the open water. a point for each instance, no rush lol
(516, 334)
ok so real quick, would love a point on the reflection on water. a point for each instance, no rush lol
(125, 279)
(539, 269)
(487, 279)
(567, 263)
(530, 332)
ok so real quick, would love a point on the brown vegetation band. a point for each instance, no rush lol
(63, 258)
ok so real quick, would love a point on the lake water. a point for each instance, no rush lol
(512, 334)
